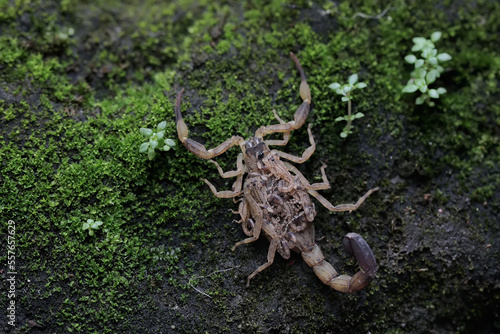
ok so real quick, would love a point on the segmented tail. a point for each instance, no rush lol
(329, 276)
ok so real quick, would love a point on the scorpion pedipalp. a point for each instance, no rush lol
(195, 147)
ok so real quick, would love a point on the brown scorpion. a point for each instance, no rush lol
(275, 197)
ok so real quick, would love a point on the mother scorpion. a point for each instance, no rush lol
(275, 197)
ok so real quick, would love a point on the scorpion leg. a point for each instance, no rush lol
(257, 215)
(341, 207)
(305, 155)
(270, 259)
(245, 218)
(315, 186)
(195, 147)
(356, 246)
(301, 113)
(239, 168)
(245, 228)
(227, 193)
(242, 210)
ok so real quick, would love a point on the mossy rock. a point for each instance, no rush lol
(77, 82)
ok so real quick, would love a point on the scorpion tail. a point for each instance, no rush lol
(355, 246)
(182, 130)
(305, 93)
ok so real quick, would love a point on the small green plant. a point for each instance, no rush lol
(155, 140)
(91, 225)
(427, 69)
(346, 90)
(161, 253)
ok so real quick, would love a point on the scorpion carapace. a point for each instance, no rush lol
(275, 197)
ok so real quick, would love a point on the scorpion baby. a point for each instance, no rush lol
(275, 197)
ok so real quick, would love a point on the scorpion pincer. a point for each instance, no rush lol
(276, 196)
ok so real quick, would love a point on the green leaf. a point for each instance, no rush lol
(419, 40)
(410, 59)
(339, 119)
(433, 93)
(153, 144)
(423, 88)
(90, 221)
(162, 125)
(91, 232)
(419, 73)
(144, 147)
(353, 79)
(334, 86)
(147, 132)
(441, 90)
(170, 142)
(410, 89)
(420, 82)
(159, 135)
(345, 98)
(346, 88)
(99, 223)
(433, 60)
(417, 47)
(151, 154)
(431, 76)
(431, 104)
(166, 148)
(343, 134)
(419, 63)
(443, 57)
(429, 46)
(436, 35)
(420, 100)
(359, 115)
(360, 85)
(85, 226)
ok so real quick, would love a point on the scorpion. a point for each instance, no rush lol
(275, 196)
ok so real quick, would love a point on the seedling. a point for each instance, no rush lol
(346, 90)
(155, 140)
(427, 69)
(91, 225)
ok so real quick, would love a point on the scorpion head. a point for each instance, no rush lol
(255, 151)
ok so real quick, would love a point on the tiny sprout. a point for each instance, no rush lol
(346, 91)
(155, 140)
(91, 225)
(427, 69)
